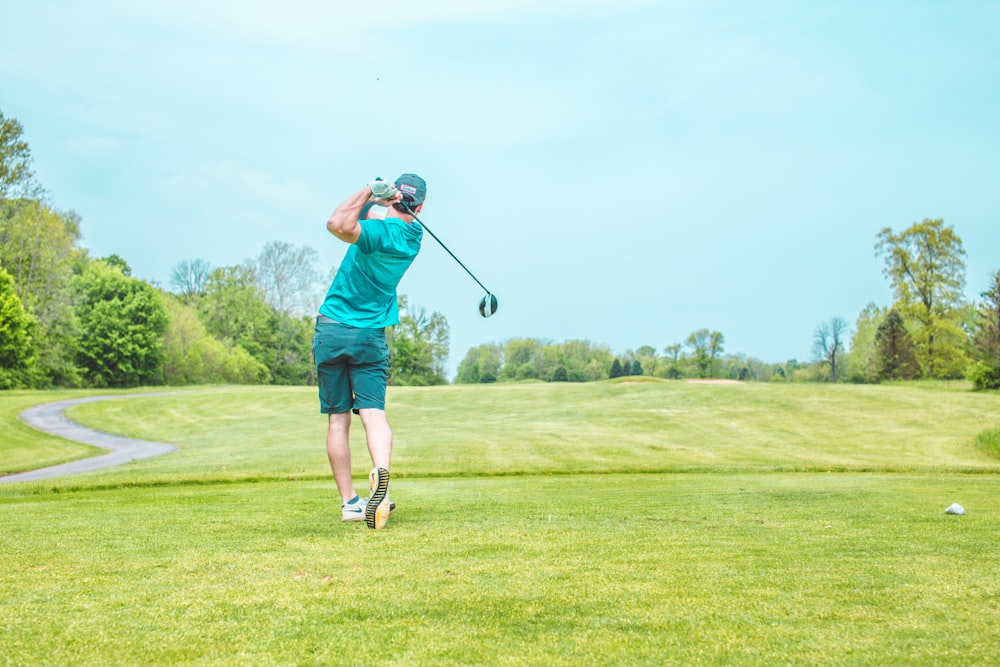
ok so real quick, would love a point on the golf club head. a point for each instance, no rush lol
(487, 305)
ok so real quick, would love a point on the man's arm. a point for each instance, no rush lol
(344, 222)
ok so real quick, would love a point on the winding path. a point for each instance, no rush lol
(49, 418)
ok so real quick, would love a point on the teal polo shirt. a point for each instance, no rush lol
(363, 293)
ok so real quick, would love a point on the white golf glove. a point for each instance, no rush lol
(383, 189)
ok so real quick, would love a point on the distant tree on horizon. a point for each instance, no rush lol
(829, 343)
(188, 277)
(896, 357)
(985, 374)
(926, 266)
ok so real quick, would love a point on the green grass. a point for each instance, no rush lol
(989, 442)
(615, 523)
(23, 448)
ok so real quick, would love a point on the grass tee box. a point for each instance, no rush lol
(580, 525)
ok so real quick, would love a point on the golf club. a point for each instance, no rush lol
(488, 304)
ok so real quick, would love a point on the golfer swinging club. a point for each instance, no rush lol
(352, 357)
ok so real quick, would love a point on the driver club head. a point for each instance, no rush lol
(487, 305)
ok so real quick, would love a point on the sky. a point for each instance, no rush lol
(619, 171)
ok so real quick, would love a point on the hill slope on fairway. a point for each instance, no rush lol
(649, 523)
(567, 429)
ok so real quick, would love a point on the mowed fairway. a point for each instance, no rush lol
(545, 524)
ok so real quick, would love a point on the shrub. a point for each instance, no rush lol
(984, 375)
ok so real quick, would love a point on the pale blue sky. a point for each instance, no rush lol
(620, 171)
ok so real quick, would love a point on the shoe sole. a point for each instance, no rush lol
(377, 512)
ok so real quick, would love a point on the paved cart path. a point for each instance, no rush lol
(49, 418)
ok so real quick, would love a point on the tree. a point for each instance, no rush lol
(122, 321)
(706, 346)
(233, 310)
(292, 362)
(716, 342)
(829, 343)
(522, 359)
(118, 262)
(895, 355)
(189, 276)
(17, 343)
(191, 356)
(288, 277)
(673, 352)
(925, 264)
(418, 347)
(38, 248)
(985, 374)
(481, 365)
(647, 359)
(862, 351)
(16, 179)
(616, 369)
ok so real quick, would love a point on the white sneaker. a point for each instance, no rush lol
(354, 511)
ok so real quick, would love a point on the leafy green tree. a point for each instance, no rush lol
(673, 364)
(292, 362)
(16, 179)
(17, 342)
(896, 357)
(560, 374)
(577, 357)
(862, 350)
(706, 346)
(616, 370)
(191, 356)
(522, 359)
(234, 311)
(595, 370)
(647, 359)
(118, 262)
(985, 373)
(716, 346)
(531, 358)
(418, 347)
(480, 365)
(38, 246)
(741, 367)
(926, 266)
(123, 322)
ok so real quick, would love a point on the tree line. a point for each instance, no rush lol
(71, 320)
(929, 331)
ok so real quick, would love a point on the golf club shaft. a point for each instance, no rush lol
(446, 248)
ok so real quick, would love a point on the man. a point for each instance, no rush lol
(352, 357)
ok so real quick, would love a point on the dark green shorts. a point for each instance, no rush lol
(352, 366)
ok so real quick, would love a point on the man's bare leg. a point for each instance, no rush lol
(338, 449)
(379, 436)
